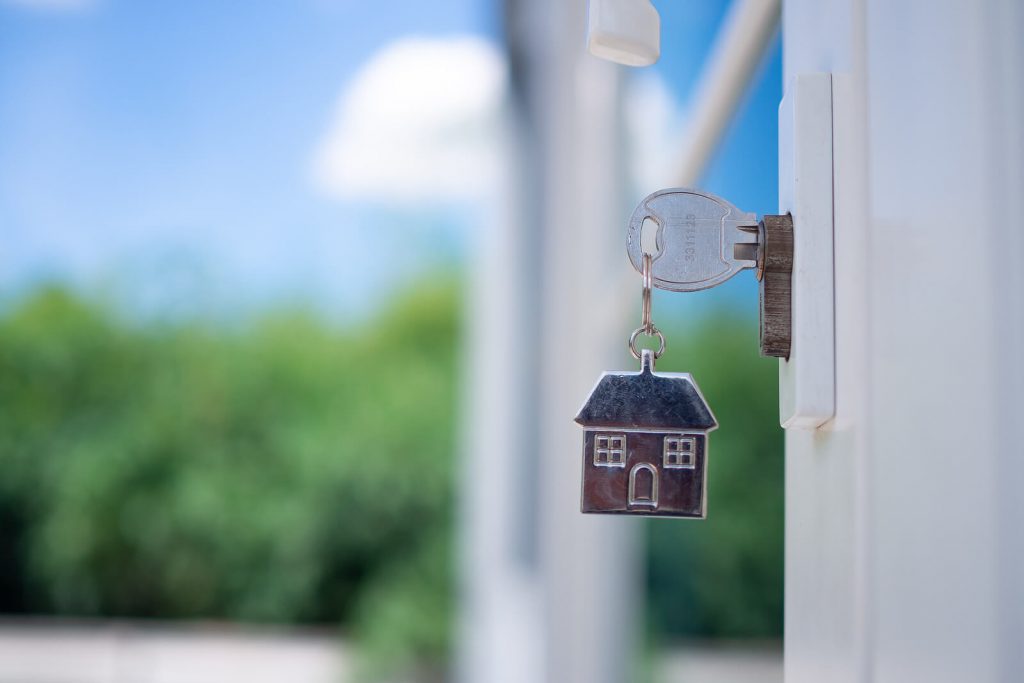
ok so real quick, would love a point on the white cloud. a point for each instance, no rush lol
(420, 122)
(653, 129)
(55, 5)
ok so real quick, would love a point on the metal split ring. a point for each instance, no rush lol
(646, 324)
(645, 308)
(654, 332)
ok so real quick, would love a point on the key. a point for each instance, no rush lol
(701, 240)
(645, 439)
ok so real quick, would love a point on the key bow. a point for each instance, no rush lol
(702, 240)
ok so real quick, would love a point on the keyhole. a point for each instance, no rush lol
(649, 237)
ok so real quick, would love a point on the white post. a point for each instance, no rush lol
(548, 593)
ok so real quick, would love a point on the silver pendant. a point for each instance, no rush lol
(645, 439)
(645, 444)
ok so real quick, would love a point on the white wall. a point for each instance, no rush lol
(904, 542)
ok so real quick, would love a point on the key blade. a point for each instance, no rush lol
(702, 240)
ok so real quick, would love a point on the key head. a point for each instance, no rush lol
(702, 240)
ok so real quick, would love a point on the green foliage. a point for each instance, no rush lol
(723, 577)
(285, 471)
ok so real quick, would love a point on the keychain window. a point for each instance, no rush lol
(609, 450)
(680, 451)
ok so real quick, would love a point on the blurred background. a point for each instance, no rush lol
(297, 304)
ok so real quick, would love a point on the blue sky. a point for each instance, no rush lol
(166, 147)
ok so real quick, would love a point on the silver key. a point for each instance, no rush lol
(702, 240)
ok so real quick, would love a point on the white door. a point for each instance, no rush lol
(904, 541)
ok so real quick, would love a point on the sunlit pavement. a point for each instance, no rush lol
(725, 663)
(44, 651)
(99, 652)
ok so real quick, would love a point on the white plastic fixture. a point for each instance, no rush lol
(807, 381)
(624, 31)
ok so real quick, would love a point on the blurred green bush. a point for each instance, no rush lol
(722, 577)
(286, 470)
(282, 471)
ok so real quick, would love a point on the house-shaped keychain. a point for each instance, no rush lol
(645, 444)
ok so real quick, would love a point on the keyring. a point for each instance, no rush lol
(645, 299)
(646, 324)
(654, 332)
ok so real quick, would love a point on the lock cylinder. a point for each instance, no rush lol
(775, 274)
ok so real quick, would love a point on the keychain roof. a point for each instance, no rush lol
(646, 399)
